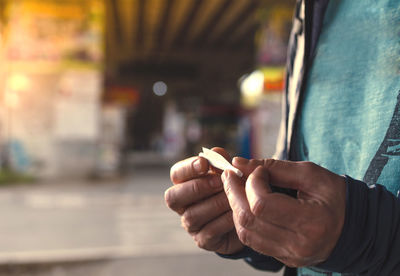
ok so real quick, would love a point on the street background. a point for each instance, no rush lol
(99, 98)
(113, 227)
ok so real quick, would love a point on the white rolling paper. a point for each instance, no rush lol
(218, 161)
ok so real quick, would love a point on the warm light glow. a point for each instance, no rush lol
(11, 99)
(18, 82)
(160, 88)
(253, 85)
(251, 88)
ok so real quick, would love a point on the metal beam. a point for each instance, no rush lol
(116, 18)
(187, 23)
(230, 29)
(207, 30)
(140, 23)
(164, 23)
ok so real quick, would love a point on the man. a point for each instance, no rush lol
(342, 112)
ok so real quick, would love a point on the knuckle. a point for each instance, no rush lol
(202, 244)
(212, 181)
(303, 251)
(269, 163)
(189, 221)
(210, 234)
(306, 169)
(183, 224)
(170, 199)
(196, 186)
(254, 162)
(229, 218)
(173, 173)
(204, 240)
(243, 235)
(228, 189)
(308, 166)
(199, 242)
(258, 208)
(245, 219)
(221, 202)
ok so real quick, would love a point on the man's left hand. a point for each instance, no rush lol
(300, 231)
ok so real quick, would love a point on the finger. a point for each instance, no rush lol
(210, 236)
(230, 243)
(236, 194)
(275, 208)
(178, 197)
(247, 166)
(281, 210)
(285, 174)
(257, 189)
(259, 195)
(258, 184)
(251, 230)
(188, 169)
(199, 214)
(270, 239)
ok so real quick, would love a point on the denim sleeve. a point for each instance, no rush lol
(370, 239)
(255, 259)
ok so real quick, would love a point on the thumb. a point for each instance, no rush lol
(301, 176)
(285, 174)
(247, 166)
(257, 186)
(281, 173)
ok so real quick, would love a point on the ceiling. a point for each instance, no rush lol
(139, 29)
(210, 43)
(167, 25)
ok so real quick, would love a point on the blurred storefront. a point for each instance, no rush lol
(261, 90)
(184, 58)
(103, 87)
(51, 83)
(87, 86)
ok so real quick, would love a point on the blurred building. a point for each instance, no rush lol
(52, 78)
(88, 86)
(199, 49)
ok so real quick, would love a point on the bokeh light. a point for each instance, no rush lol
(160, 88)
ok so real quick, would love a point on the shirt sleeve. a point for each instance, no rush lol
(370, 239)
(255, 259)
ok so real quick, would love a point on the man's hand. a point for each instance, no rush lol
(298, 231)
(198, 197)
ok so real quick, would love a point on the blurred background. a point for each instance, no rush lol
(98, 98)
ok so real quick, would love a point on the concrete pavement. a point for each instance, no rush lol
(118, 227)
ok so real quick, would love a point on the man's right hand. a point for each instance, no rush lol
(198, 197)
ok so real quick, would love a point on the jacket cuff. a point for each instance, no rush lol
(255, 259)
(350, 238)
